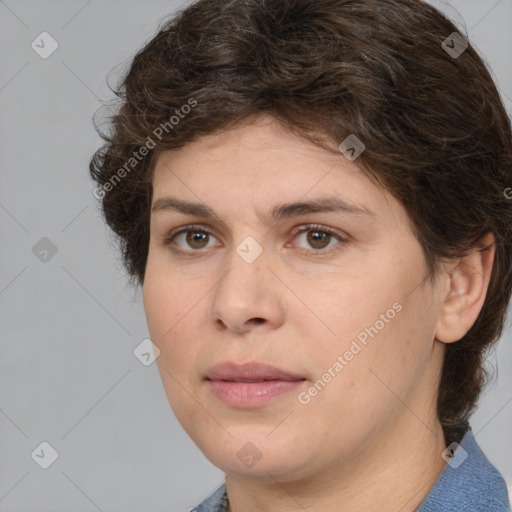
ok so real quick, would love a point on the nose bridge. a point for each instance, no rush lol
(245, 293)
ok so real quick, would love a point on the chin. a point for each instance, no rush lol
(253, 456)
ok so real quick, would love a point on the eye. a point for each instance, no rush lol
(319, 238)
(190, 237)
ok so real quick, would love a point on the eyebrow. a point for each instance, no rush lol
(279, 212)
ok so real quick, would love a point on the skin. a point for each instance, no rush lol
(370, 439)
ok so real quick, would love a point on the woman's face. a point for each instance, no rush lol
(262, 271)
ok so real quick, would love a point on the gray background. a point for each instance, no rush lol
(70, 324)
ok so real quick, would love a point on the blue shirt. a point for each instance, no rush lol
(468, 483)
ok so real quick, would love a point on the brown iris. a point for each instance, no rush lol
(318, 239)
(196, 238)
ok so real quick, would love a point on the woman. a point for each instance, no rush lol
(311, 194)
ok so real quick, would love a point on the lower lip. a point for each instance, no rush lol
(251, 394)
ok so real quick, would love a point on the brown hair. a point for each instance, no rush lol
(436, 133)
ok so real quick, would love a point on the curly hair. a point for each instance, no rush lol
(436, 132)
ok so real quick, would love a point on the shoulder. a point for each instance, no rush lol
(469, 482)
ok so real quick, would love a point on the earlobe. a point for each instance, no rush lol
(467, 281)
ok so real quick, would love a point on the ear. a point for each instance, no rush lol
(467, 281)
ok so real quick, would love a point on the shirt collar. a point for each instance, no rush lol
(468, 482)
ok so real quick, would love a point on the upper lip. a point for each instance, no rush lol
(249, 372)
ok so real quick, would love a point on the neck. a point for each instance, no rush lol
(396, 470)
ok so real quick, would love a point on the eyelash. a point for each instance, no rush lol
(301, 229)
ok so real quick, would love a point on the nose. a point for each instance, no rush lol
(247, 297)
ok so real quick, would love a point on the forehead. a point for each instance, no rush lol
(246, 146)
(263, 164)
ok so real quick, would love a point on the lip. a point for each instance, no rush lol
(251, 384)
(249, 371)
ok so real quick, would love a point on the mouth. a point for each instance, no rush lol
(249, 372)
(250, 385)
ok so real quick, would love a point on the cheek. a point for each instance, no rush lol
(391, 366)
(158, 305)
(375, 324)
(168, 305)
(169, 314)
(342, 308)
(165, 294)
